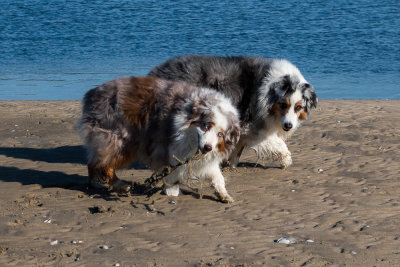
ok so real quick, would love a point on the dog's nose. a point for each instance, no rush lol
(287, 126)
(207, 148)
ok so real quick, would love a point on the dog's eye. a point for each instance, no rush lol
(207, 127)
(298, 108)
(284, 106)
(220, 134)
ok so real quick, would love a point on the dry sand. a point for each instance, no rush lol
(342, 193)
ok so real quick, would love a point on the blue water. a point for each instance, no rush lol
(58, 49)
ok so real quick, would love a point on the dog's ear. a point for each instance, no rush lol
(233, 135)
(280, 88)
(309, 96)
(198, 111)
(233, 132)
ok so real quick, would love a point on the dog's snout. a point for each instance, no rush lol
(207, 148)
(287, 126)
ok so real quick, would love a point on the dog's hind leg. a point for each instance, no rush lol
(235, 156)
(105, 177)
(116, 184)
(97, 177)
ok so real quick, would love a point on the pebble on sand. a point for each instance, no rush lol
(286, 240)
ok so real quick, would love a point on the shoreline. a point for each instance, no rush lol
(342, 193)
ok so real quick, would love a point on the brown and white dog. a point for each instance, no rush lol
(272, 97)
(151, 120)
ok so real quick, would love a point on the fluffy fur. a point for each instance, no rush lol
(271, 95)
(150, 120)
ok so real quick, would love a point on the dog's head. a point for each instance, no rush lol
(217, 125)
(291, 101)
(286, 95)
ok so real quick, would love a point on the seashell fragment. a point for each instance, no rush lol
(286, 240)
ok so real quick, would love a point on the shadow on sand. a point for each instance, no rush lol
(73, 155)
(62, 154)
(54, 179)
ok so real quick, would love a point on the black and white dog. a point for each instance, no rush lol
(271, 95)
(151, 120)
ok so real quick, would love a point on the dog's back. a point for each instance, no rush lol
(236, 77)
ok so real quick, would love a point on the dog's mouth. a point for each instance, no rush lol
(197, 155)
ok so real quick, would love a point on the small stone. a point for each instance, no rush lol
(353, 252)
(320, 170)
(292, 190)
(117, 264)
(310, 241)
(286, 240)
(104, 247)
(172, 202)
(364, 227)
(53, 243)
(47, 221)
(232, 247)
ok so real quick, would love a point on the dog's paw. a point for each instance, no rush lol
(99, 183)
(225, 198)
(121, 187)
(173, 191)
(232, 162)
(227, 166)
(286, 161)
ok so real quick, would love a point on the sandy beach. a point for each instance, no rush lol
(339, 203)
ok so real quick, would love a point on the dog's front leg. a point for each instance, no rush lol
(274, 147)
(284, 155)
(171, 182)
(218, 181)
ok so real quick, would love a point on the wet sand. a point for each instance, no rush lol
(340, 200)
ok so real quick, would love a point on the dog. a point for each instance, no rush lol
(151, 120)
(272, 97)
